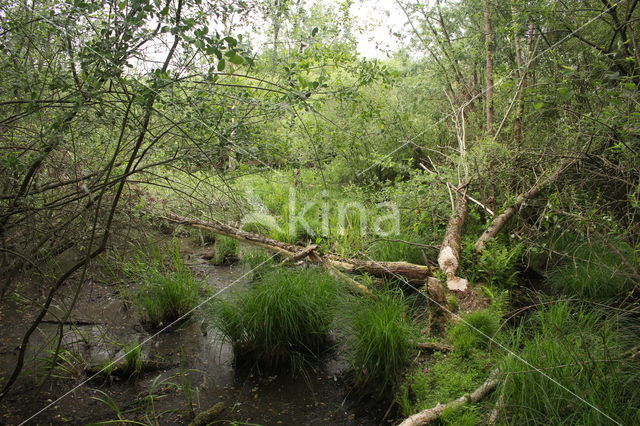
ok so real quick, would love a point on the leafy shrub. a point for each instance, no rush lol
(571, 369)
(378, 341)
(474, 330)
(495, 266)
(285, 315)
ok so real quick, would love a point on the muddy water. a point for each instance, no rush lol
(190, 354)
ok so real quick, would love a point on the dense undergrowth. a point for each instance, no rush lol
(524, 106)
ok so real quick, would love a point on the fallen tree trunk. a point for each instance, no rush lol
(409, 271)
(499, 221)
(432, 414)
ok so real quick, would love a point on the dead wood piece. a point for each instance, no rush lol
(76, 323)
(409, 271)
(432, 414)
(449, 257)
(123, 369)
(439, 312)
(301, 254)
(434, 346)
(208, 416)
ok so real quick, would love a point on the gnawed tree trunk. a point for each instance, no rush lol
(409, 271)
(433, 414)
(499, 221)
(449, 257)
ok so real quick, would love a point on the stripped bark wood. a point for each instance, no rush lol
(499, 221)
(409, 271)
(432, 414)
(449, 257)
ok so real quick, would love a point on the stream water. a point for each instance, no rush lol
(190, 353)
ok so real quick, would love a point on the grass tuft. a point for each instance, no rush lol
(287, 314)
(259, 261)
(378, 341)
(581, 352)
(166, 292)
(474, 330)
(595, 272)
(225, 250)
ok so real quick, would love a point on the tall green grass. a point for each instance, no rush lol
(443, 379)
(394, 250)
(595, 271)
(286, 315)
(258, 260)
(166, 288)
(378, 341)
(574, 366)
(474, 330)
(225, 250)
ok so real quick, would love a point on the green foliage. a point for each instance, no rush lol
(574, 360)
(445, 378)
(225, 250)
(462, 416)
(69, 363)
(165, 293)
(378, 341)
(287, 314)
(392, 251)
(133, 359)
(474, 330)
(596, 272)
(258, 260)
(495, 266)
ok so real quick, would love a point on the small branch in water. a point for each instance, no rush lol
(75, 323)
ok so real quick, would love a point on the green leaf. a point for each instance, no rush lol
(314, 32)
(236, 59)
(221, 65)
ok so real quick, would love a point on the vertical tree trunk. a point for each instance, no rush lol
(449, 257)
(522, 67)
(517, 123)
(489, 48)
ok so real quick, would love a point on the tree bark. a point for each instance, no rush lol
(489, 48)
(449, 257)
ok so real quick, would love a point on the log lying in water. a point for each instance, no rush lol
(409, 271)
